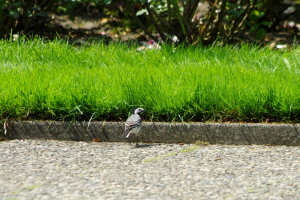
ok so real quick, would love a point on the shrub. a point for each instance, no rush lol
(22, 17)
(173, 20)
(224, 19)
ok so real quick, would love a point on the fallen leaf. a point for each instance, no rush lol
(217, 159)
(96, 140)
(201, 143)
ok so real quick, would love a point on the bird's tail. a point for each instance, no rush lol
(126, 134)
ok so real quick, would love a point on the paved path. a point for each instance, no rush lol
(79, 170)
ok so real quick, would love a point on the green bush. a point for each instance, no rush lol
(223, 20)
(22, 17)
(18, 16)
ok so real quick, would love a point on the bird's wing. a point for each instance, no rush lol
(125, 133)
(132, 122)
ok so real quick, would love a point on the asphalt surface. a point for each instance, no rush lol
(32, 169)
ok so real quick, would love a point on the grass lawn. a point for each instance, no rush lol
(58, 81)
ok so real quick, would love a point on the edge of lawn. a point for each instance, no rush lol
(156, 132)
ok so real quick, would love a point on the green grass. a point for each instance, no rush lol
(32, 187)
(190, 149)
(58, 81)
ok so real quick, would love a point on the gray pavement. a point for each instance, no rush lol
(51, 169)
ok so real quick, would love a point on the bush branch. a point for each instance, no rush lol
(208, 22)
(249, 10)
(141, 24)
(158, 28)
(220, 18)
(192, 10)
(187, 7)
(169, 11)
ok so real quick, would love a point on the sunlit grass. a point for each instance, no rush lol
(190, 149)
(58, 81)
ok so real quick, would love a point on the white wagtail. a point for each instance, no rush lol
(133, 124)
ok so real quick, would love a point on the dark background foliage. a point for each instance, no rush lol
(172, 20)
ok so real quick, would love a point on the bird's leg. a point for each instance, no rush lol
(129, 141)
(137, 140)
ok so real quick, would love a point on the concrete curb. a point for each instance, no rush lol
(215, 133)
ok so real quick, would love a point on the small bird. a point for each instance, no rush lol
(133, 124)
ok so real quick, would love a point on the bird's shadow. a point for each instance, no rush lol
(144, 146)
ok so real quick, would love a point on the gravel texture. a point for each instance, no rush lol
(32, 169)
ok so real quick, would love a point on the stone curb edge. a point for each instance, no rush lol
(156, 132)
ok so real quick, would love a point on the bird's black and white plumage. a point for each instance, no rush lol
(133, 124)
